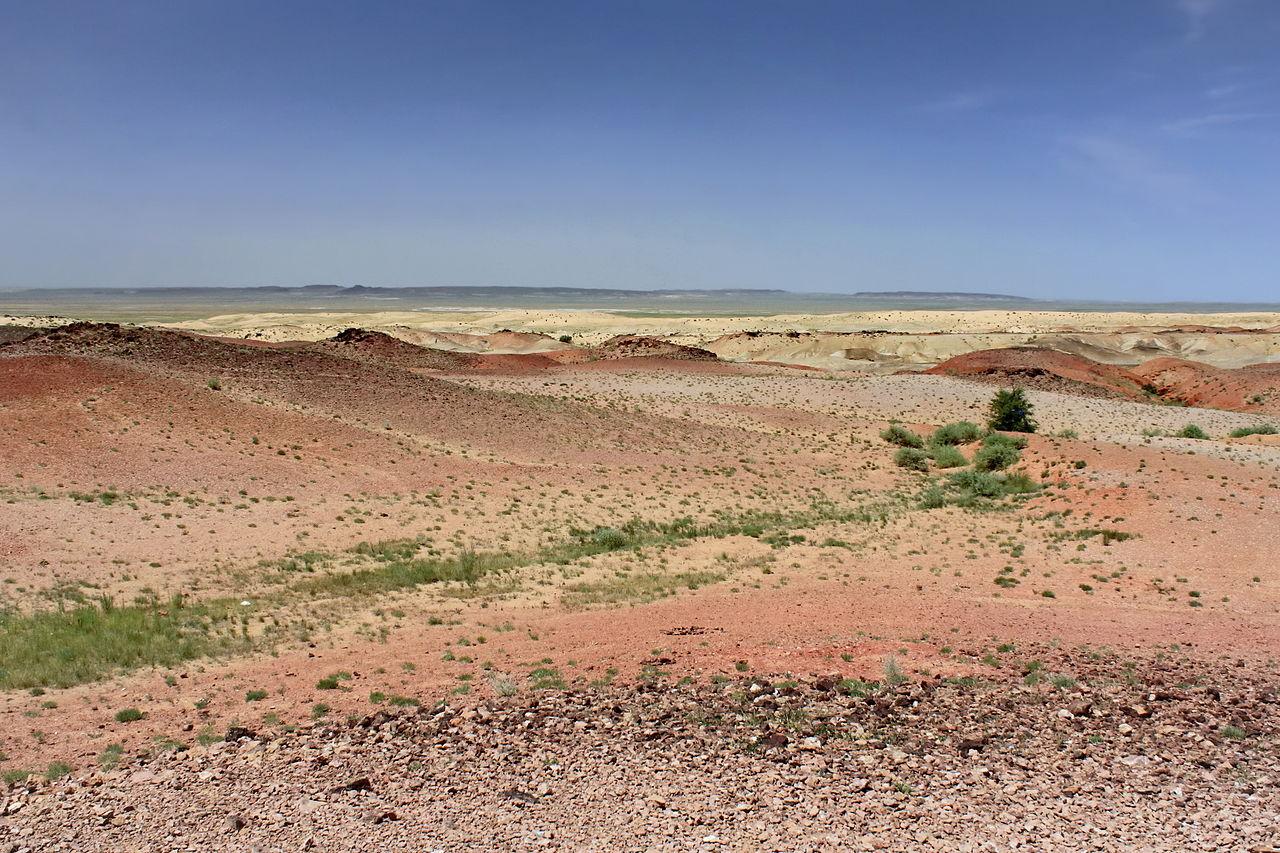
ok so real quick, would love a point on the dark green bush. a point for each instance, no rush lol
(1010, 411)
(1192, 431)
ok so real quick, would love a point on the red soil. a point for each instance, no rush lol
(1255, 388)
(1045, 369)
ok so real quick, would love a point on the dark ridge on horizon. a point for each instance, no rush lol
(498, 290)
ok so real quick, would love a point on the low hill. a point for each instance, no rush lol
(1045, 369)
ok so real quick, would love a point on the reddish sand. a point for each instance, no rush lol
(320, 448)
(1254, 388)
(1043, 368)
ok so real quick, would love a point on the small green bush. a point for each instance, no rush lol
(960, 432)
(946, 456)
(996, 453)
(128, 715)
(901, 436)
(1192, 431)
(1260, 429)
(1010, 411)
(979, 483)
(215, 384)
(933, 497)
(911, 458)
(1018, 483)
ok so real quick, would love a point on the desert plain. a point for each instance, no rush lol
(584, 580)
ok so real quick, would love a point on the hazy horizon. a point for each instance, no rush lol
(1059, 150)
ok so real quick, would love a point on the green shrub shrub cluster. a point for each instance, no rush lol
(901, 436)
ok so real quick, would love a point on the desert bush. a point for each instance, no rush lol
(946, 456)
(1260, 429)
(982, 484)
(1192, 431)
(901, 436)
(933, 497)
(1018, 483)
(911, 458)
(1010, 411)
(997, 453)
(960, 432)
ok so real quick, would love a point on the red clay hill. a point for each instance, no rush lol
(1255, 388)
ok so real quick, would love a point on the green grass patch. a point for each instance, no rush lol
(635, 588)
(68, 646)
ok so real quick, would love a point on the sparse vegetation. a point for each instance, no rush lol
(1260, 429)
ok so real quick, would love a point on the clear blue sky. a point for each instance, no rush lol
(1124, 149)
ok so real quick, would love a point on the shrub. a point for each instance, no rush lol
(128, 715)
(901, 436)
(1260, 429)
(1018, 483)
(946, 456)
(564, 339)
(933, 497)
(215, 384)
(980, 483)
(996, 453)
(1010, 411)
(960, 432)
(1192, 431)
(911, 458)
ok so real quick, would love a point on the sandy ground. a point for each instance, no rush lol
(127, 473)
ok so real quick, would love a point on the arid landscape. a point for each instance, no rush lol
(580, 580)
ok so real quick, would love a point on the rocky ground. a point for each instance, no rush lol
(1126, 753)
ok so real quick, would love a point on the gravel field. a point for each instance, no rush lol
(1126, 753)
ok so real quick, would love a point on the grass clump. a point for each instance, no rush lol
(64, 647)
(973, 488)
(637, 588)
(1192, 431)
(946, 456)
(901, 436)
(1260, 429)
(998, 452)
(911, 458)
(959, 432)
(129, 715)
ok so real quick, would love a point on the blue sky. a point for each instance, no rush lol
(1121, 150)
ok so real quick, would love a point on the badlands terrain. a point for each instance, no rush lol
(579, 580)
